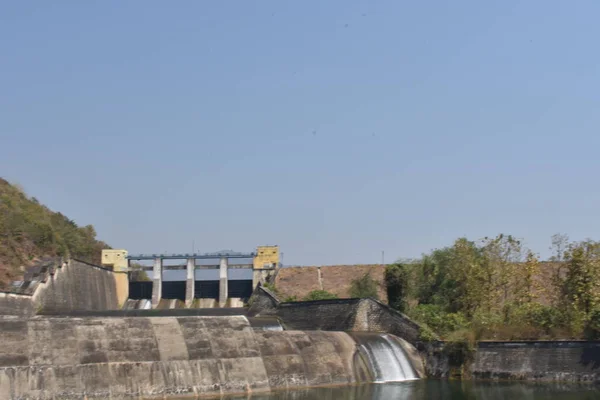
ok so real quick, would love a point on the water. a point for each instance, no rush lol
(386, 358)
(438, 390)
(265, 323)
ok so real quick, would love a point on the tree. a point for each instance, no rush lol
(526, 288)
(501, 257)
(396, 282)
(137, 273)
(581, 287)
(363, 287)
(319, 295)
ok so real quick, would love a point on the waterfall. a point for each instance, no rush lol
(265, 323)
(385, 356)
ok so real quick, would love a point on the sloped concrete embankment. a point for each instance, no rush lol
(362, 315)
(118, 358)
(62, 287)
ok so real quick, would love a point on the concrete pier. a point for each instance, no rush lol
(157, 282)
(190, 282)
(223, 277)
(259, 276)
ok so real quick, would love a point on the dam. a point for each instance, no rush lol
(65, 335)
(154, 357)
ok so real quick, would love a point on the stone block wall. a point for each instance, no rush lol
(15, 304)
(75, 358)
(327, 315)
(561, 361)
(545, 361)
(373, 316)
(364, 315)
(78, 286)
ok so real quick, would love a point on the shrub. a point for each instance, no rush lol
(319, 295)
(396, 278)
(271, 287)
(438, 320)
(460, 348)
(592, 329)
(364, 287)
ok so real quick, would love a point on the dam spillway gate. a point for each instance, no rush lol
(203, 289)
(160, 282)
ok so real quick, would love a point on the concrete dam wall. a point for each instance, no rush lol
(545, 361)
(72, 285)
(120, 358)
(560, 361)
(362, 315)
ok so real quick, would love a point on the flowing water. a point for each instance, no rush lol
(426, 389)
(386, 358)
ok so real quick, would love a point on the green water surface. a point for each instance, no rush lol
(438, 390)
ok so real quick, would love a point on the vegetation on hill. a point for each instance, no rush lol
(319, 295)
(364, 287)
(495, 288)
(30, 230)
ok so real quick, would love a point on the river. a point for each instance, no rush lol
(430, 389)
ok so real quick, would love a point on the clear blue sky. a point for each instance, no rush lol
(387, 125)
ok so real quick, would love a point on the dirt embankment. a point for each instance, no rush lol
(299, 281)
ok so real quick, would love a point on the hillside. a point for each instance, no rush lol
(337, 279)
(30, 230)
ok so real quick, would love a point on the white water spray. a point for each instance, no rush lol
(386, 358)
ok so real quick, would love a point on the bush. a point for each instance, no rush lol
(396, 278)
(460, 348)
(364, 287)
(319, 295)
(592, 329)
(540, 316)
(271, 287)
(438, 320)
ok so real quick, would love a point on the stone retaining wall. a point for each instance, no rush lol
(545, 361)
(567, 361)
(366, 315)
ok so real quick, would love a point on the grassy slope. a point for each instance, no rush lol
(29, 230)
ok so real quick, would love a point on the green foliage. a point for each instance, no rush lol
(582, 281)
(364, 287)
(319, 295)
(592, 329)
(29, 230)
(138, 274)
(290, 299)
(437, 319)
(539, 316)
(460, 349)
(396, 283)
(494, 288)
(426, 334)
(271, 287)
